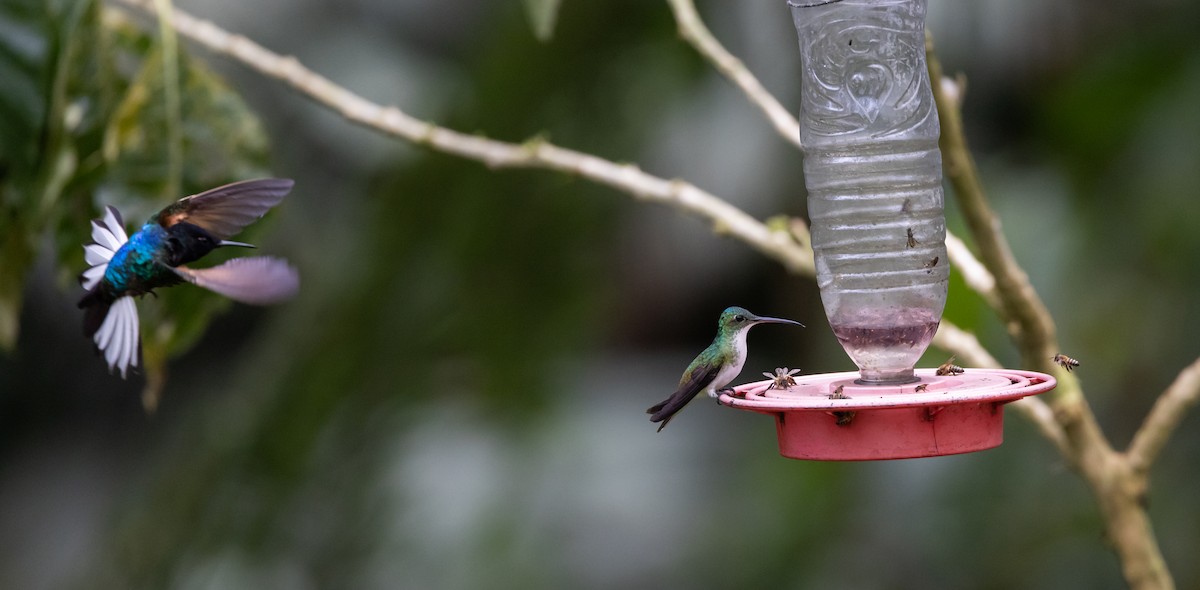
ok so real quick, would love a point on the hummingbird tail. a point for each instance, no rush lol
(666, 409)
(697, 379)
(95, 305)
(112, 324)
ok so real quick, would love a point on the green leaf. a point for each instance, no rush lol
(82, 114)
(45, 69)
(542, 16)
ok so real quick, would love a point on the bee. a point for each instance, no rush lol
(912, 241)
(837, 393)
(921, 388)
(932, 263)
(949, 368)
(1065, 362)
(783, 378)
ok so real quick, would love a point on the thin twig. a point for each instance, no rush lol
(973, 273)
(692, 29)
(536, 153)
(1029, 321)
(1164, 418)
(964, 345)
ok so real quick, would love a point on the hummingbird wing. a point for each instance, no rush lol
(225, 210)
(257, 280)
(108, 234)
(118, 336)
(695, 382)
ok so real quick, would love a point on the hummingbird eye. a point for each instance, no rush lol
(739, 318)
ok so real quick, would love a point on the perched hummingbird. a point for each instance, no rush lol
(717, 366)
(156, 254)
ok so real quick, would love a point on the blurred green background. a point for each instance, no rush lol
(456, 399)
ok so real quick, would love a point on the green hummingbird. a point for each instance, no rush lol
(717, 366)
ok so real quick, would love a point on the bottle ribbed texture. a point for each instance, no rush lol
(873, 171)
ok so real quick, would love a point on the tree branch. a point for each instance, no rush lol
(1029, 322)
(974, 274)
(1119, 489)
(536, 153)
(1164, 418)
(692, 29)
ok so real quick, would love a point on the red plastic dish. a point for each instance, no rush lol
(954, 414)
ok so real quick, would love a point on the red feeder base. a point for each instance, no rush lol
(938, 415)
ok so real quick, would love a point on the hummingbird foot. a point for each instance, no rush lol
(717, 393)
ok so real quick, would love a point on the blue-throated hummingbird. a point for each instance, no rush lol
(155, 256)
(717, 366)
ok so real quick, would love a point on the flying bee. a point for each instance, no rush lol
(949, 368)
(1065, 362)
(929, 265)
(921, 388)
(783, 378)
(912, 241)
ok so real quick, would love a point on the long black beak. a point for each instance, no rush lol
(763, 320)
(239, 244)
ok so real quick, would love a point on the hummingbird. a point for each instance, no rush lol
(717, 366)
(157, 254)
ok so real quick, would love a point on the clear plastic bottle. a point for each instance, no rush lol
(869, 131)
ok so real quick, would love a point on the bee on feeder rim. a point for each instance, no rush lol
(842, 418)
(912, 241)
(921, 388)
(1065, 362)
(949, 368)
(783, 378)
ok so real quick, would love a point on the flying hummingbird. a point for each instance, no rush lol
(156, 255)
(717, 366)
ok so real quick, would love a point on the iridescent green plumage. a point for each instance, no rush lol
(717, 366)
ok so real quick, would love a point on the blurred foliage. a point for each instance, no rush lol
(83, 128)
(462, 282)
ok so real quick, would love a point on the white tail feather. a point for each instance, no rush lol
(109, 236)
(118, 335)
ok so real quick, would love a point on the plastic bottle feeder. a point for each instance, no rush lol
(869, 131)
